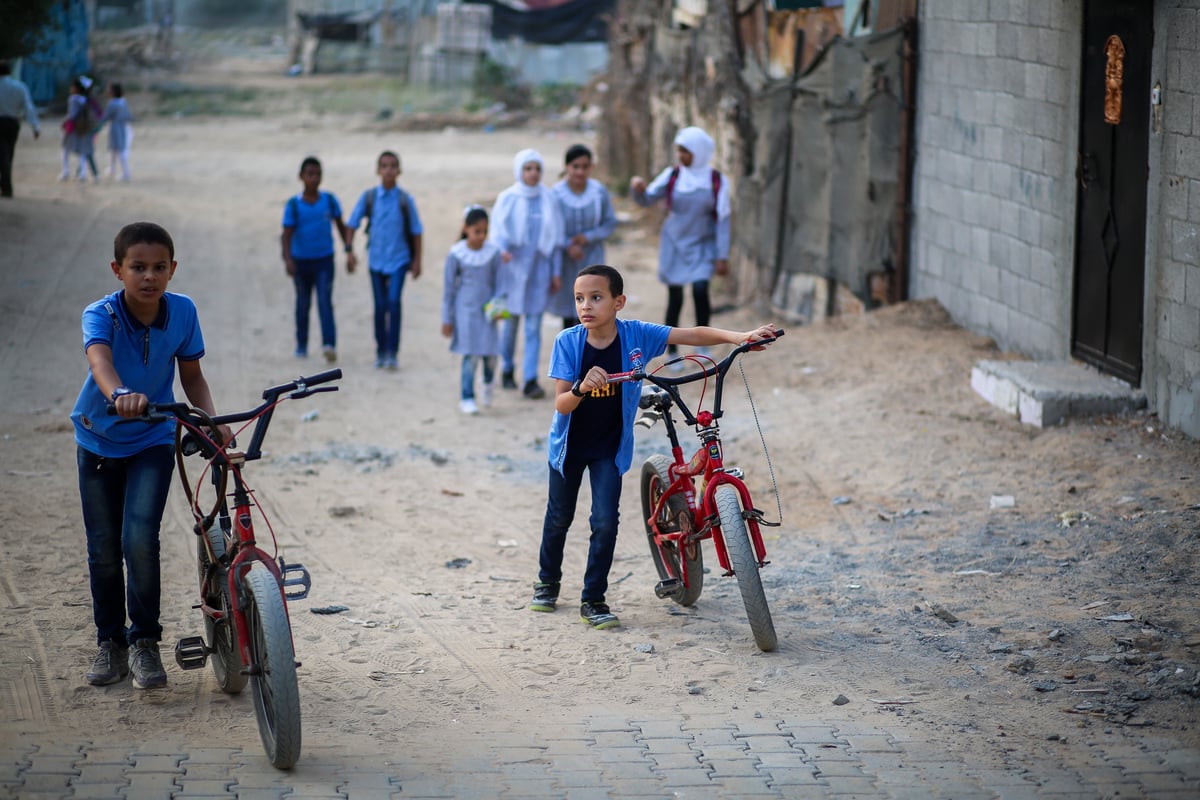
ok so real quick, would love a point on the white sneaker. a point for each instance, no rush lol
(487, 393)
(468, 407)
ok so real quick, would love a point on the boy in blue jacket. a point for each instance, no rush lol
(593, 427)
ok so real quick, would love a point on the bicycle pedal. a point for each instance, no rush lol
(670, 589)
(191, 652)
(296, 580)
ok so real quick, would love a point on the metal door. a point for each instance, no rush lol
(1112, 173)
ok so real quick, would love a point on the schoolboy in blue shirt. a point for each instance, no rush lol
(393, 251)
(593, 427)
(133, 339)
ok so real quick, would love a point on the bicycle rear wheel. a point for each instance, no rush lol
(745, 566)
(673, 517)
(275, 690)
(222, 640)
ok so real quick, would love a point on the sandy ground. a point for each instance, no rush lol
(390, 484)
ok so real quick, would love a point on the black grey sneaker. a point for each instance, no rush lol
(110, 665)
(146, 665)
(598, 616)
(545, 597)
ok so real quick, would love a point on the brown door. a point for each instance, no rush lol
(1112, 173)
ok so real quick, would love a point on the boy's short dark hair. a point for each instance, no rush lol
(117, 90)
(385, 154)
(141, 233)
(311, 161)
(577, 151)
(616, 284)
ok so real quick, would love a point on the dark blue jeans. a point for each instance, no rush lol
(387, 289)
(123, 501)
(468, 373)
(314, 273)
(560, 511)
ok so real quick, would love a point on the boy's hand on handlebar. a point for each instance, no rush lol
(759, 334)
(595, 378)
(131, 405)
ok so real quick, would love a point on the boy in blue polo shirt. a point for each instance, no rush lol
(133, 339)
(593, 427)
(393, 252)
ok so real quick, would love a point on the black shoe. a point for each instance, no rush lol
(533, 391)
(598, 616)
(146, 665)
(506, 380)
(545, 597)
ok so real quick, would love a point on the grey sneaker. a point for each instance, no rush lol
(545, 597)
(110, 665)
(146, 665)
(598, 616)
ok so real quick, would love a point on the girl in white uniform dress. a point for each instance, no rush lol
(588, 219)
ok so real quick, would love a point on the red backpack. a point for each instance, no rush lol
(716, 187)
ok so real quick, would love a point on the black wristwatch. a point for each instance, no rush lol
(349, 248)
(120, 391)
(575, 389)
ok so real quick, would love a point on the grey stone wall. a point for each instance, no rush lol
(1173, 255)
(994, 191)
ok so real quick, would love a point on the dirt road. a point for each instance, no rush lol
(885, 463)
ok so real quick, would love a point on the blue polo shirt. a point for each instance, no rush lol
(387, 241)
(144, 357)
(312, 236)
(640, 342)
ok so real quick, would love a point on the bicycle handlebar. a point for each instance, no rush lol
(294, 390)
(671, 385)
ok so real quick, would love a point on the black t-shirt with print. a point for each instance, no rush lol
(595, 430)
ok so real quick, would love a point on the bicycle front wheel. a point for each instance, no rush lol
(276, 693)
(673, 517)
(745, 566)
(225, 658)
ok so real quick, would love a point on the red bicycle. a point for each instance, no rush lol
(678, 517)
(244, 591)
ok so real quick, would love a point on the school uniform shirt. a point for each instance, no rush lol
(591, 213)
(311, 224)
(117, 115)
(640, 342)
(80, 143)
(144, 356)
(691, 239)
(469, 282)
(387, 241)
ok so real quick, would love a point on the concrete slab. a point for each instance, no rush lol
(1046, 393)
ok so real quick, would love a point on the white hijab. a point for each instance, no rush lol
(698, 175)
(510, 208)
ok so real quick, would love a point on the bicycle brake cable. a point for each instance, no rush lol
(763, 439)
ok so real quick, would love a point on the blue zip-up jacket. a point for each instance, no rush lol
(640, 342)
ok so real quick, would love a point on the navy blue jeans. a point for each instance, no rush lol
(468, 373)
(314, 273)
(560, 511)
(123, 501)
(386, 290)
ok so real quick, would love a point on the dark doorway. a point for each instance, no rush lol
(1112, 173)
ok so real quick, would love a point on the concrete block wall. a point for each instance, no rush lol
(1173, 255)
(993, 190)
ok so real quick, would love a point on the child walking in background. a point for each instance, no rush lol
(133, 339)
(308, 255)
(694, 242)
(472, 270)
(588, 219)
(593, 427)
(120, 131)
(528, 229)
(79, 130)
(393, 252)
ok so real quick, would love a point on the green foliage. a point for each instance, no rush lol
(556, 96)
(495, 83)
(24, 22)
(183, 100)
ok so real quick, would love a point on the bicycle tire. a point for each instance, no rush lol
(224, 655)
(273, 682)
(745, 566)
(675, 514)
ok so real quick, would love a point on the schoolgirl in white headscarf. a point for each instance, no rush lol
(694, 242)
(527, 228)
